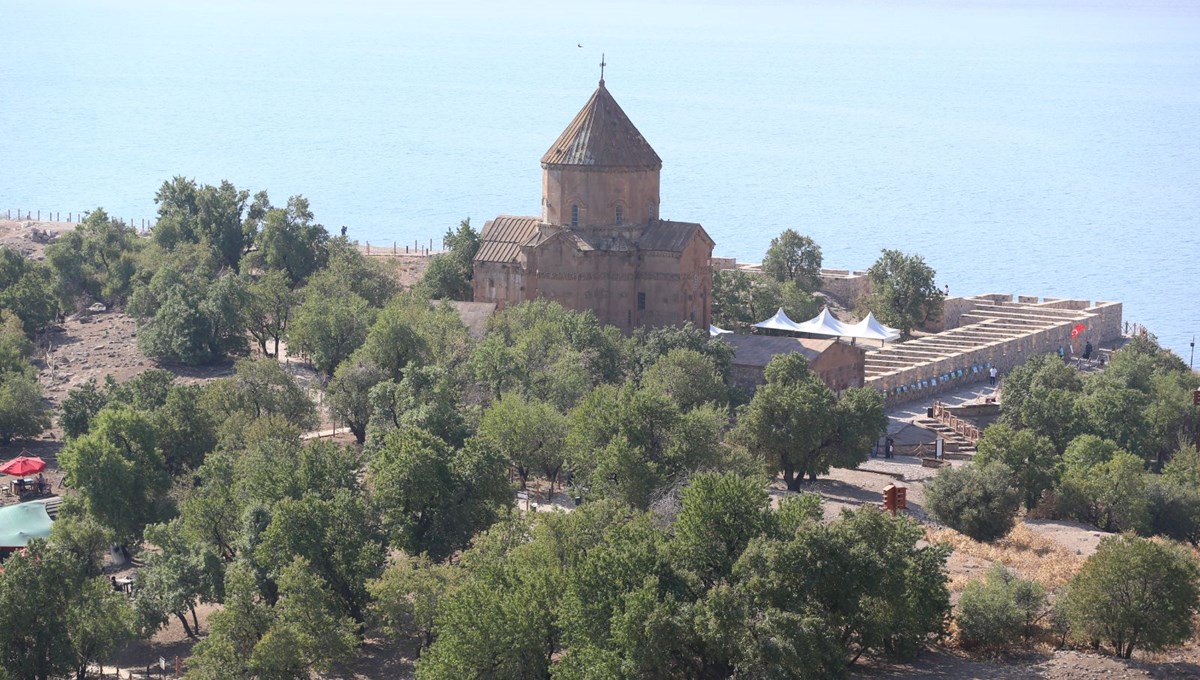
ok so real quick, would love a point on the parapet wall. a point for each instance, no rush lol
(845, 285)
(985, 331)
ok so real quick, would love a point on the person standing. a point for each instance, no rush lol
(992, 373)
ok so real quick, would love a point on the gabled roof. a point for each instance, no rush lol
(503, 237)
(758, 350)
(669, 236)
(779, 322)
(602, 135)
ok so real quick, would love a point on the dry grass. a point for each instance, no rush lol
(1029, 554)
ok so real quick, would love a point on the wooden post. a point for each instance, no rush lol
(393, 247)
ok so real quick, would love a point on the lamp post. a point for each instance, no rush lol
(1193, 356)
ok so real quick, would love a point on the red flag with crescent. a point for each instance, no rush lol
(1079, 328)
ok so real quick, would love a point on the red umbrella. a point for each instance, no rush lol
(22, 465)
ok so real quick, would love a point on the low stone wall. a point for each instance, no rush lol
(845, 285)
(925, 380)
(928, 379)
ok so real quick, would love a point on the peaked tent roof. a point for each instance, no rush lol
(824, 324)
(19, 523)
(871, 329)
(779, 322)
(713, 331)
(602, 135)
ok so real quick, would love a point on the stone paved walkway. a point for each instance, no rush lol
(901, 416)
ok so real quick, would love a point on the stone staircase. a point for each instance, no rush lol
(958, 446)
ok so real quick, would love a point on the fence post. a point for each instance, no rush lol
(393, 247)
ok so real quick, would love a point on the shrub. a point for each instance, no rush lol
(1134, 593)
(979, 500)
(998, 609)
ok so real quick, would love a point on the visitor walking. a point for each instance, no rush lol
(992, 373)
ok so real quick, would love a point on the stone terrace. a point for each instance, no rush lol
(983, 331)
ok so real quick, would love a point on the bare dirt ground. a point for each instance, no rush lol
(21, 235)
(96, 345)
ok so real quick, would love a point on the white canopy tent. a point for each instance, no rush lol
(827, 325)
(824, 324)
(779, 322)
(713, 331)
(870, 329)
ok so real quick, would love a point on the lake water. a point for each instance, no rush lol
(1045, 148)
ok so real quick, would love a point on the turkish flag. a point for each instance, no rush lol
(1079, 328)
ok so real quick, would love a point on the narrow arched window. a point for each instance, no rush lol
(620, 215)
(574, 215)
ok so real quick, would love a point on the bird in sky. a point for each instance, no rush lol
(579, 44)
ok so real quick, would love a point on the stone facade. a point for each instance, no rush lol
(598, 243)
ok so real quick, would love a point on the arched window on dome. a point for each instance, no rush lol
(620, 215)
(574, 214)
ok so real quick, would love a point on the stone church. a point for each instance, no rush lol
(599, 243)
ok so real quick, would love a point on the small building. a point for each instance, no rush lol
(599, 243)
(840, 365)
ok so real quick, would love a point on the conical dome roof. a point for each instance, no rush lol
(602, 135)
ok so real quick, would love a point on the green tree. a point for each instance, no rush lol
(408, 596)
(23, 414)
(547, 352)
(337, 539)
(15, 348)
(463, 243)
(211, 215)
(998, 609)
(332, 322)
(903, 293)
(1111, 494)
(627, 442)
(80, 407)
(1173, 510)
(645, 346)
(411, 331)
(741, 298)
(96, 260)
(257, 389)
(530, 434)
(290, 242)
(427, 398)
(688, 377)
(98, 621)
(1135, 594)
(979, 500)
(119, 472)
(720, 513)
(234, 630)
(349, 394)
(794, 258)
(801, 428)
(27, 290)
(448, 275)
(1030, 456)
(432, 498)
(309, 633)
(173, 580)
(190, 314)
(34, 593)
(1044, 395)
(445, 278)
(268, 311)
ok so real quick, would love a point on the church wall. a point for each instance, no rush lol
(597, 192)
(601, 281)
(499, 282)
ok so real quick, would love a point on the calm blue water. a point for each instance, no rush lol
(1037, 147)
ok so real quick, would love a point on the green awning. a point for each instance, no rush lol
(19, 523)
